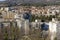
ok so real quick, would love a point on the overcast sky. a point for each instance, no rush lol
(2, 0)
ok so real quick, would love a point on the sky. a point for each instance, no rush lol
(2, 0)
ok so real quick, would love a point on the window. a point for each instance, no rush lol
(0, 13)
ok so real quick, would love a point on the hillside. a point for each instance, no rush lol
(29, 2)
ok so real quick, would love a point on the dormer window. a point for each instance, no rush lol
(50, 12)
(0, 13)
(1, 17)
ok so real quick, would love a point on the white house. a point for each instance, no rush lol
(52, 29)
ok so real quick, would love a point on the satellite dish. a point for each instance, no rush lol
(36, 20)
